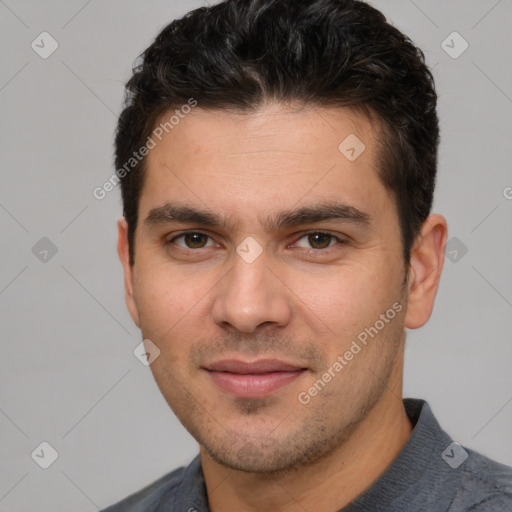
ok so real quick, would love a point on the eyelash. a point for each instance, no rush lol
(310, 250)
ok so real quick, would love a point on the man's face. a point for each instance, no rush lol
(298, 292)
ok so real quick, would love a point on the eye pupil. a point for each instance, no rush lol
(321, 239)
(195, 240)
(316, 240)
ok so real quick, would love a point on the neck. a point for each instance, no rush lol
(329, 484)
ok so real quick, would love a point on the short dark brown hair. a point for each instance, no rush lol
(238, 54)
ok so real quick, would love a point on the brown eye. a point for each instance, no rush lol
(192, 240)
(319, 240)
(316, 242)
(195, 240)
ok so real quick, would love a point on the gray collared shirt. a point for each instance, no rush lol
(430, 474)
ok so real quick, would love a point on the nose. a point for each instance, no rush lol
(251, 296)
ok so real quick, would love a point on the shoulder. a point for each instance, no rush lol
(483, 485)
(148, 498)
(455, 478)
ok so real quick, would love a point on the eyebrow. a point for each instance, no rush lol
(326, 211)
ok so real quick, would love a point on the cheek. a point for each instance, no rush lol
(345, 300)
(164, 299)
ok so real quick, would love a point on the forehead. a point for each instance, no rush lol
(275, 127)
(265, 161)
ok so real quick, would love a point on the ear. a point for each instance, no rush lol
(425, 267)
(124, 256)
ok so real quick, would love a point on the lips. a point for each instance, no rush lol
(253, 379)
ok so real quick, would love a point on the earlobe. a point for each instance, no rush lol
(124, 256)
(426, 265)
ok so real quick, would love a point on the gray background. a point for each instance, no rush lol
(69, 376)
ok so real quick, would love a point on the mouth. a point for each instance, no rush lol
(253, 379)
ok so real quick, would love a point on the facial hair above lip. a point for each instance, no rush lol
(269, 350)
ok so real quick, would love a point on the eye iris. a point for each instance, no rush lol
(195, 240)
(317, 240)
(321, 239)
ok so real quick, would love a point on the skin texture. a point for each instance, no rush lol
(303, 301)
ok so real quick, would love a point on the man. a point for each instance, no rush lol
(277, 161)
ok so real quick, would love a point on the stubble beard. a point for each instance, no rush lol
(270, 455)
(309, 438)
